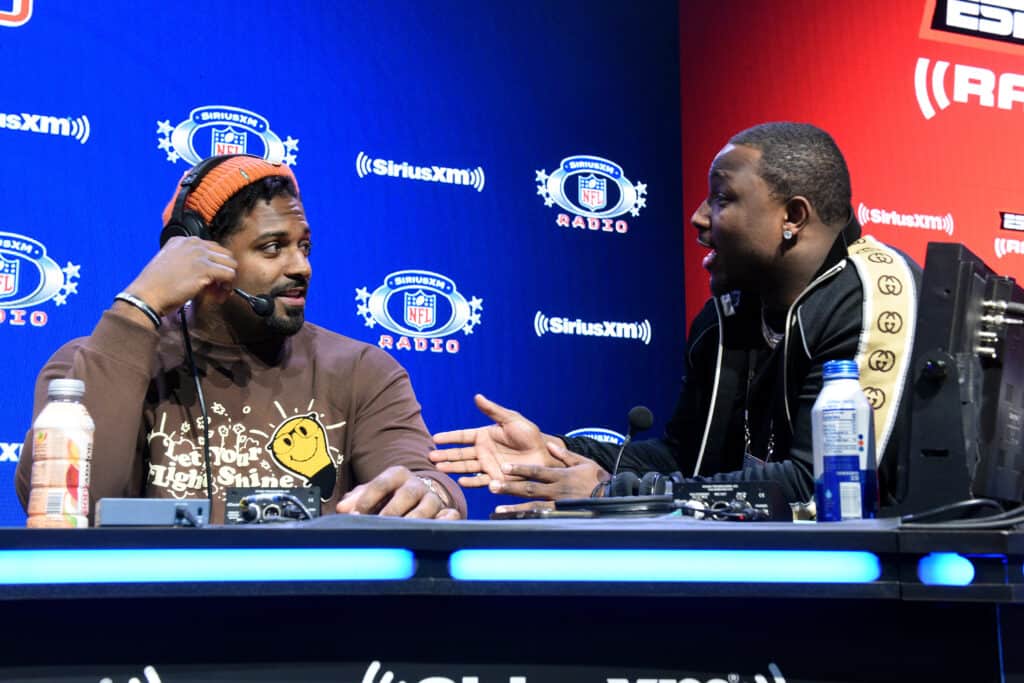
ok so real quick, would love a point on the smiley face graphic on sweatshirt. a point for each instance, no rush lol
(299, 445)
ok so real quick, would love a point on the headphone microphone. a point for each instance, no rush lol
(640, 419)
(262, 306)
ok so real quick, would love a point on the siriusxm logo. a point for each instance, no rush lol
(423, 308)
(217, 129)
(1001, 20)
(469, 177)
(18, 15)
(594, 191)
(374, 668)
(971, 85)
(28, 278)
(543, 324)
(907, 220)
(773, 670)
(10, 451)
(149, 672)
(65, 126)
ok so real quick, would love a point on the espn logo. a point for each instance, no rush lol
(1012, 221)
(1004, 246)
(18, 15)
(973, 85)
(1001, 20)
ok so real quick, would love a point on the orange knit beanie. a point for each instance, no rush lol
(223, 181)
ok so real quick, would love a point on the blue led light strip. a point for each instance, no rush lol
(729, 566)
(187, 565)
(945, 569)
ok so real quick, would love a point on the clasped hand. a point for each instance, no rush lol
(514, 457)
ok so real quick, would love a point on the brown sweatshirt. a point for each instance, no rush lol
(329, 411)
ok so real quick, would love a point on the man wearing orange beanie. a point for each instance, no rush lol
(288, 404)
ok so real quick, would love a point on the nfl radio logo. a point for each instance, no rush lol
(420, 308)
(592, 192)
(8, 277)
(228, 141)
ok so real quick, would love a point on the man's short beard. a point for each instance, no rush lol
(287, 324)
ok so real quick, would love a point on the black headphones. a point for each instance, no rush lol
(184, 222)
(651, 484)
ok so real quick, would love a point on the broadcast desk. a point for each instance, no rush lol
(376, 600)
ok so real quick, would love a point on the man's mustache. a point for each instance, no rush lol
(277, 290)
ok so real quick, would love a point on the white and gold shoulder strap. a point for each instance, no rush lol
(887, 338)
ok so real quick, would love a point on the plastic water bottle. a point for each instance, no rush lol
(843, 435)
(61, 459)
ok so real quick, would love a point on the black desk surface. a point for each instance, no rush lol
(437, 628)
(432, 543)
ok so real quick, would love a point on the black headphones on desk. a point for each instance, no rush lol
(656, 494)
(651, 484)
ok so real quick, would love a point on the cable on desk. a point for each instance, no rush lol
(961, 506)
(182, 512)
(1004, 520)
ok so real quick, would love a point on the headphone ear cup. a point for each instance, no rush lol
(672, 483)
(172, 230)
(195, 225)
(189, 225)
(624, 484)
(649, 483)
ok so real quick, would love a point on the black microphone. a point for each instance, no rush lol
(640, 418)
(262, 306)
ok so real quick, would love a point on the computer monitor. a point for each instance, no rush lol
(966, 433)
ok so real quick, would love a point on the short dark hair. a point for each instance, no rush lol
(801, 159)
(229, 219)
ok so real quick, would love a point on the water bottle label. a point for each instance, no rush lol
(61, 444)
(849, 500)
(58, 501)
(838, 492)
(840, 433)
(70, 474)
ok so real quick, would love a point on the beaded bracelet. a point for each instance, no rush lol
(138, 303)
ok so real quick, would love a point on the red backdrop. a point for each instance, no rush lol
(931, 122)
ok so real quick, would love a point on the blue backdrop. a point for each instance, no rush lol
(523, 159)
